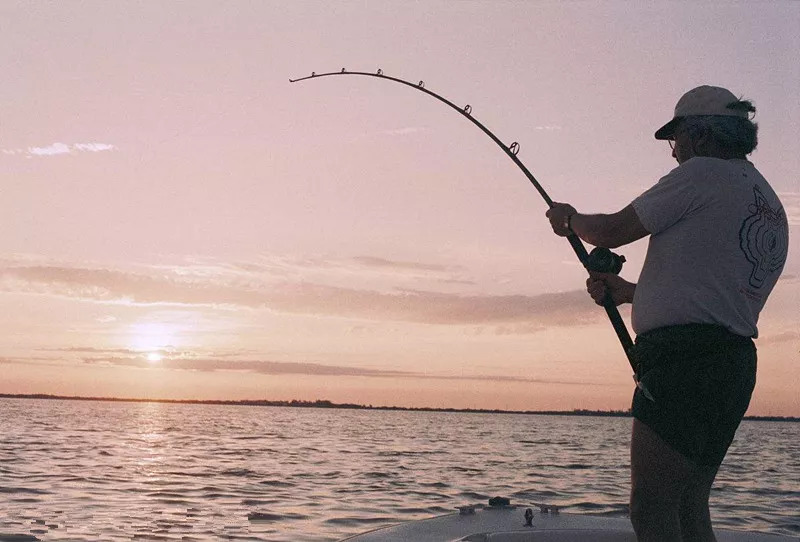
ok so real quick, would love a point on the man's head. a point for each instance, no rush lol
(710, 121)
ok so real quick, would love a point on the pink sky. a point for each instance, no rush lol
(179, 221)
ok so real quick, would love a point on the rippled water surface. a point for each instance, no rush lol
(75, 470)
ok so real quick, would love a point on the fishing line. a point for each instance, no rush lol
(600, 259)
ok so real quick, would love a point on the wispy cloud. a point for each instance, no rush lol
(292, 266)
(93, 350)
(128, 358)
(786, 336)
(548, 128)
(93, 147)
(791, 206)
(367, 270)
(383, 263)
(56, 149)
(182, 361)
(523, 312)
(277, 368)
(442, 274)
(403, 131)
(250, 366)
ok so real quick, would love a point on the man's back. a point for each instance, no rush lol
(719, 241)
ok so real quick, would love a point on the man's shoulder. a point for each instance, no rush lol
(714, 165)
(703, 163)
(687, 171)
(700, 168)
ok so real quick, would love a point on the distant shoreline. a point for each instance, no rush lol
(351, 406)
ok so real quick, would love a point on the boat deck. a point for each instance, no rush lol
(508, 524)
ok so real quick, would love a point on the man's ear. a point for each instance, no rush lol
(701, 142)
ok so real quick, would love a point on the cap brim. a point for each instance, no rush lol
(668, 130)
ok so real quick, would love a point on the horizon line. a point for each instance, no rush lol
(324, 403)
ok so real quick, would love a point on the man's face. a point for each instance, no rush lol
(681, 143)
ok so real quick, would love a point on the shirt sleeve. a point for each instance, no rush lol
(669, 200)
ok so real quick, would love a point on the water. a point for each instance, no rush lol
(75, 470)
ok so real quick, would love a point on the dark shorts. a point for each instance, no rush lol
(701, 378)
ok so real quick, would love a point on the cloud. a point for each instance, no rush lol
(250, 366)
(121, 357)
(302, 297)
(55, 148)
(31, 360)
(329, 268)
(786, 336)
(568, 308)
(442, 274)
(371, 261)
(403, 131)
(93, 350)
(186, 361)
(60, 148)
(93, 147)
(791, 206)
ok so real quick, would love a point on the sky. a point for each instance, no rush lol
(180, 221)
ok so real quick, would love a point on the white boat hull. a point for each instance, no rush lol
(507, 524)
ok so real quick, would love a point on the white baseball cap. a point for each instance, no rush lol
(703, 100)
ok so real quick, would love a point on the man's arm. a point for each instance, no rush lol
(599, 285)
(608, 231)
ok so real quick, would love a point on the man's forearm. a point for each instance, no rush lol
(602, 285)
(627, 293)
(608, 231)
(597, 230)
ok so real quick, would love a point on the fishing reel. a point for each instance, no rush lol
(602, 260)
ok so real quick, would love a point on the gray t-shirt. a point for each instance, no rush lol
(719, 242)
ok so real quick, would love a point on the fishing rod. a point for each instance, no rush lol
(600, 259)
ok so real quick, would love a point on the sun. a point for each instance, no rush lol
(152, 340)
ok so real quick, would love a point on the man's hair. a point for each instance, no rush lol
(737, 134)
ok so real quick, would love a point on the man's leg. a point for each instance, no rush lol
(659, 478)
(695, 517)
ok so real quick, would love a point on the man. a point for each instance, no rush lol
(718, 243)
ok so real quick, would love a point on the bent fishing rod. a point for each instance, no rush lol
(600, 259)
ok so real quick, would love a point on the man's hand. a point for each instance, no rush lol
(559, 215)
(599, 285)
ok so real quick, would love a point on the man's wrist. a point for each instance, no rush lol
(568, 221)
(631, 292)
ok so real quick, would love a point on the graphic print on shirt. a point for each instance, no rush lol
(764, 239)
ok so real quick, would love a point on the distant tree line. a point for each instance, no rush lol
(324, 403)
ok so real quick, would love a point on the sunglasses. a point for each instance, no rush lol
(680, 129)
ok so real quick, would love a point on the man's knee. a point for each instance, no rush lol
(694, 513)
(649, 506)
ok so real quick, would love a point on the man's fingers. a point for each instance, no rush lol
(595, 285)
(597, 289)
(596, 275)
